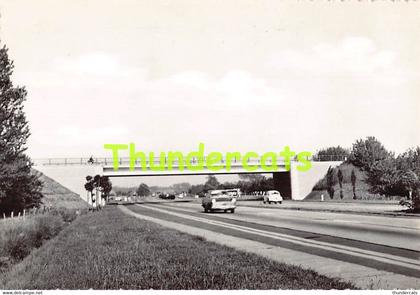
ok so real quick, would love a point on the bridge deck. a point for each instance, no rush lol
(176, 169)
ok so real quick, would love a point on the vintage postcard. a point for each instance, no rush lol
(237, 146)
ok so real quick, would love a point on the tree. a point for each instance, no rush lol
(181, 187)
(143, 190)
(353, 183)
(228, 185)
(330, 182)
(407, 182)
(196, 189)
(19, 187)
(331, 192)
(340, 178)
(340, 182)
(99, 183)
(366, 153)
(382, 177)
(251, 177)
(89, 186)
(212, 183)
(409, 160)
(106, 186)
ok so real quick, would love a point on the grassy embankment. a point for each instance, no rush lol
(20, 235)
(58, 196)
(110, 250)
(362, 187)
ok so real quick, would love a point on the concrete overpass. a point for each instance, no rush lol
(71, 172)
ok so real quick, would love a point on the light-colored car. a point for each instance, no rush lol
(272, 197)
(218, 201)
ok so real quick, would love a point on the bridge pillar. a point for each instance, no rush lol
(282, 183)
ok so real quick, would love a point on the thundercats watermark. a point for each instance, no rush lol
(213, 161)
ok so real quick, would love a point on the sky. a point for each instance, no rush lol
(235, 75)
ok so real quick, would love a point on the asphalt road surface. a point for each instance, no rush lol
(381, 242)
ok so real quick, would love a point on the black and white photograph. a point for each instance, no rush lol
(232, 146)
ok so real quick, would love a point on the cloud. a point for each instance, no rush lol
(74, 140)
(67, 134)
(235, 89)
(90, 69)
(328, 94)
(96, 63)
(351, 57)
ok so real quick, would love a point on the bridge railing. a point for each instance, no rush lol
(125, 161)
(61, 161)
(328, 158)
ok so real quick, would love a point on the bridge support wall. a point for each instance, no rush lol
(303, 182)
(297, 185)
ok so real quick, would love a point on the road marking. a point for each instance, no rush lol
(415, 228)
(382, 257)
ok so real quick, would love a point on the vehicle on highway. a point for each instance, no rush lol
(167, 196)
(233, 192)
(218, 201)
(182, 195)
(272, 197)
(118, 198)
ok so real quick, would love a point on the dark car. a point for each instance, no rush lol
(167, 196)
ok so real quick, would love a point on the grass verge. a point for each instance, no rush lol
(110, 250)
(20, 235)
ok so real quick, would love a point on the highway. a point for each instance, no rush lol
(389, 244)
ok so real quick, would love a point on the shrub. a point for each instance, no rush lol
(68, 215)
(353, 183)
(413, 204)
(48, 226)
(17, 243)
(331, 192)
(331, 182)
